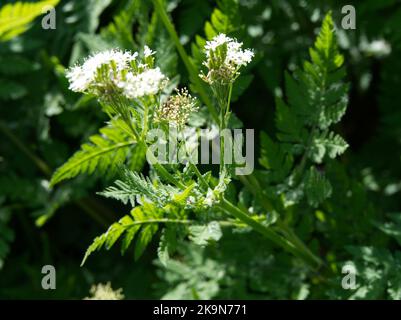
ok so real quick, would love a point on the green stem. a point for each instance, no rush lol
(293, 248)
(172, 221)
(223, 120)
(185, 58)
(221, 128)
(297, 248)
(193, 166)
(253, 185)
(162, 171)
(188, 222)
(145, 121)
(230, 91)
(298, 242)
(229, 208)
(199, 175)
(151, 158)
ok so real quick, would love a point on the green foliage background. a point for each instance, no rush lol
(356, 218)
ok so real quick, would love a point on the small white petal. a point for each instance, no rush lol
(149, 82)
(147, 52)
(235, 56)
(81, 77)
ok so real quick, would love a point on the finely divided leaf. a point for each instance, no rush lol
(102, 155)
(204, 234)
(275, 159)
(317, 187)
(142, 222)
(316, 99)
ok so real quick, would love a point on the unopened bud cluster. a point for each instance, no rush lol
(178, 108)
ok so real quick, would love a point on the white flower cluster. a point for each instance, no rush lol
(115, 70)
(225, 57)
(81, 77)
(148, 82)
(234, 56)
(105, 292)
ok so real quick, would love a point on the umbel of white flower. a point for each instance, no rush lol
(117, 72)
(224, 58)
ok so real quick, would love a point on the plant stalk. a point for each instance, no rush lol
(185, 58)
(292, 247)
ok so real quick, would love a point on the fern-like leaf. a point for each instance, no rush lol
(327, 143)
(317, 187)
(316, 99)
(274, 158)
(167, 244)
(103, 154)
(143, 222)
(16, 18)
(135, 188)
(120, 30)
(204, 234)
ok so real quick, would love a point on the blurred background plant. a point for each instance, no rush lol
(42, 123)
